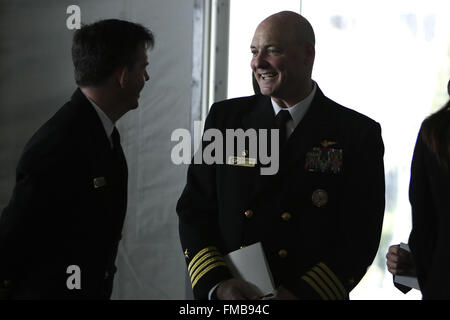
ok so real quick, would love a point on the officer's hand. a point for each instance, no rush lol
(234, 289)
(285, 294)
(399, 261)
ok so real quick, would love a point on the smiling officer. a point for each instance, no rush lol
(319, 218)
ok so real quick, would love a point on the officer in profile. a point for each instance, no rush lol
(60, 232)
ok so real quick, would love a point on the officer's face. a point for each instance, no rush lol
(136, 78)
(278, 61)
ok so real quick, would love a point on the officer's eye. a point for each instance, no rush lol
(273, 51)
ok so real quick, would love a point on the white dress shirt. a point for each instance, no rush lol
(297, 111)
(108, 125)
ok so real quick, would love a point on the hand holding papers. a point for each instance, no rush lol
(409, 281)
(250, 264)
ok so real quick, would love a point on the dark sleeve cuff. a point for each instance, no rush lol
(206, 269)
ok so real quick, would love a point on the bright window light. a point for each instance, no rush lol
(387, 59)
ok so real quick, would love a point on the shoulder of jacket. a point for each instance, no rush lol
(236, 104)
(53, 139)
(351, 116)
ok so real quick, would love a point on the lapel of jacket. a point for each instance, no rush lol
(316, 123)
(261, 116)
(95, 143)
(105, 165)
(92, 127)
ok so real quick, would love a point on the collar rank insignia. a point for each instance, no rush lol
(186, 254)
(99, 182)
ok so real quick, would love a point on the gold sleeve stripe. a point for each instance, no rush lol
(214, 265)
(329, 282)
(334, 278)
(200, 260)
(322, 284)
(315, 287)
(204, 264)
(199, 254)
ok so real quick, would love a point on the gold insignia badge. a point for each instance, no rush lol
(99, 182)
(241, 161)
(186, 254)
(326, 143)
(319, 198)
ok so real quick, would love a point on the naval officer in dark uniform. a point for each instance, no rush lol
(319, 218)
(59, 233)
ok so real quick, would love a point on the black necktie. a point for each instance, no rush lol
(118, 195)
(115, 136)
(281, 119)
(118, 151)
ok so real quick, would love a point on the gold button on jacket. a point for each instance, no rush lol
(286, 216)
(282, 253)
(248, 213)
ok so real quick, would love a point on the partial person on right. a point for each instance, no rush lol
(429, 195)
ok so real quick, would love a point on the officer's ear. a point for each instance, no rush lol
(122, 74)
(310, 54)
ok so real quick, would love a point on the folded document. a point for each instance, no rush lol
(250, 264)
(408, 281)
